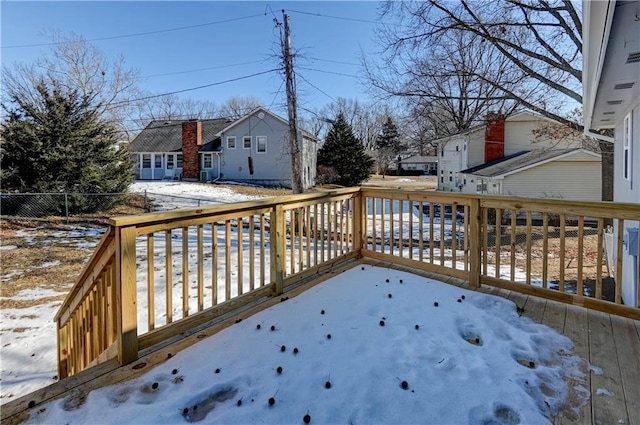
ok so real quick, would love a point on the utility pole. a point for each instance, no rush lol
(294, 145)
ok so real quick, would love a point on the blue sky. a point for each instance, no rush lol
(326, 43)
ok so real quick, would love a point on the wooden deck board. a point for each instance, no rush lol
(628, 347)
(576, 328)
(555, 315)
(607, 407)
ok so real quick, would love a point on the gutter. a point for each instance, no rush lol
(597, 136)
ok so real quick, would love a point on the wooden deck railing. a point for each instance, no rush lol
(157, 275)
(545, 247)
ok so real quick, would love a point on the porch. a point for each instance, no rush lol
(159, 282)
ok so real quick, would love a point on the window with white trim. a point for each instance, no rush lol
(157, 161)
(179, 160)
(626, 147)
(207, 160)
(246, 142)
(146, 160)
(231, 142)
(261, 144)
(170, 161)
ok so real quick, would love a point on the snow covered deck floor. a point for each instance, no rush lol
(608, 342)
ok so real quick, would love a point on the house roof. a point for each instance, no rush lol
(258, 110)
(611, 70)
(521, 160)
(420, 159)
(166, 136)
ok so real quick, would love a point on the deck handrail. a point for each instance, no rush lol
(145, 283)
(99, 318)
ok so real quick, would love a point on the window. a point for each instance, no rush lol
(146, 160)
(246, 142)
(441, 150)
(207, 160)
(170, 161)
(135, 158)
(179, 161)
(158, 161)
(450, 178)
(626, 148)
(231, 142)
(261, 144)
(441, 179)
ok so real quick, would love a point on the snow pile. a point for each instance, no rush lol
(371, 345)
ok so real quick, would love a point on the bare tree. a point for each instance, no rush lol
(237, 107)
(365, 119)
(540, 42)
(75, 64)
(172, 107)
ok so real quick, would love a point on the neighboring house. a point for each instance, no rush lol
(427, 164)
(611, 84)
(539, 173)
(253, 149)
(506, 157)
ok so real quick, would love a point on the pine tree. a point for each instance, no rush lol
(388, 145)
(58, 143)
(344, 153)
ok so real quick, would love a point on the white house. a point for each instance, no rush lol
(427, 164)
(252, 149)
(611, 100)
(505, 156)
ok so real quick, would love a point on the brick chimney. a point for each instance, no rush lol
(494, 137)
(191, 142)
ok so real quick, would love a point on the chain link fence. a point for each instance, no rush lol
(90, 207)
(70, 207)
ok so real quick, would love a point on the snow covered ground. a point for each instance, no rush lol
(172, 195)
(28, 335)
(370, 345)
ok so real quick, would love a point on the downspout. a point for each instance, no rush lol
(219, 173)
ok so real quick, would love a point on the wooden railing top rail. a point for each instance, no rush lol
(186, 213)
(626, 211)
(77, 292)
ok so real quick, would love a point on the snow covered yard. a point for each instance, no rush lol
(27, 332)
(371, 345)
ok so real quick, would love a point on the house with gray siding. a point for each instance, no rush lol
(611, 100)
(252, 149)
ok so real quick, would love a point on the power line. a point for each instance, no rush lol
(315, 87)
(320, 15)
(244, 77)
(334, 61)
(329, 72)
(140, 33)
(203, 69)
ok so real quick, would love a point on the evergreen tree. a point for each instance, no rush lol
(344, 153)
(56, 142)
(388, 145)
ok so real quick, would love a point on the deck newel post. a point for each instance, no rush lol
(126, 295)
(277, 236)
(475, 244)
(357, 218)
(63, 369)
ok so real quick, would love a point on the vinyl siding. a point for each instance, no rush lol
(568, 178)
(627, 191)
